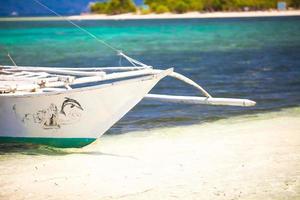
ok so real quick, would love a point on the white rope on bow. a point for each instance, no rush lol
(133, 61)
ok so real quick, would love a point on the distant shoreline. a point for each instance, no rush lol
(190, 15)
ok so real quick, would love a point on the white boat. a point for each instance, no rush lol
(72, 107)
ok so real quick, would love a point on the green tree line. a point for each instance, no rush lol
(112, 7)
(182, 6)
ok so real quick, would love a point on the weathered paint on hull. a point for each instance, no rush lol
(55, 142)
(78, 113)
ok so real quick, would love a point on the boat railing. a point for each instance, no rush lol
(34, 79)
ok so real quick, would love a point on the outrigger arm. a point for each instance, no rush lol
(208, 99)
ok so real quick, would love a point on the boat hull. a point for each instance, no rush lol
(72, 118)
(55, 142)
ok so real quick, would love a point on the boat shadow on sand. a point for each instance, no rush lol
(37, 150)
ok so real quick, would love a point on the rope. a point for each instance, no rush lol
(132, 61)
(76, 25)
(12, 60)
(8, 55)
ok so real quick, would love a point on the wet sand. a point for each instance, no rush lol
(248, 157)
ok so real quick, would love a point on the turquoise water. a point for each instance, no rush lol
(256, 58)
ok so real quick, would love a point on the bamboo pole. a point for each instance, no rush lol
(101, 69)
(56, 71)
(201, 100)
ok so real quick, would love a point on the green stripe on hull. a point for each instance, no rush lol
(55, 142)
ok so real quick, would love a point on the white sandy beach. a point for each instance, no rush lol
(190, 15)
(249, 157)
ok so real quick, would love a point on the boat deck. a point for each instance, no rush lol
(45, 79)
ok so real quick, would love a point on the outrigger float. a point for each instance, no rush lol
(72, 107)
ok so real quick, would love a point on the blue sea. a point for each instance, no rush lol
(254, 58)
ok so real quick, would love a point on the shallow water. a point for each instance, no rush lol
(254, 58)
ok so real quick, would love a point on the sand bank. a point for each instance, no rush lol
(250, 157)
(190, 15)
